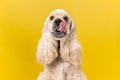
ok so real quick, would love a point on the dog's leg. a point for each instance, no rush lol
(44, 76)
(79, 76)
(76, 76)
(60, 77)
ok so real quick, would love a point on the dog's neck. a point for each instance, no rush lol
(58, 47)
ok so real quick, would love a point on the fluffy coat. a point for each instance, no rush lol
(62, 60)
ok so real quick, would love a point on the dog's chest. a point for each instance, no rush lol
(59, 66)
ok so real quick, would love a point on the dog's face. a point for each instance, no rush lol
(59, 23)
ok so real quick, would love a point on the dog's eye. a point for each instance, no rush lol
(65, 18)
(51, 18)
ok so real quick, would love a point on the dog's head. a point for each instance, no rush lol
(58, 24)
(59, 38)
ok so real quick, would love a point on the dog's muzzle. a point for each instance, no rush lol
(59, 28)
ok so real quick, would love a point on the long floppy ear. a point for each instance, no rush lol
(70, 48)
(47, 49)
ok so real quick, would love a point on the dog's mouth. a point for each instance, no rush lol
(59, 31)
(58, 34)
(62, 26)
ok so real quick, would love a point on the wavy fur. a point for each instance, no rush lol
(62, 61)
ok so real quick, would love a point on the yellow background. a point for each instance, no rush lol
(98, 30)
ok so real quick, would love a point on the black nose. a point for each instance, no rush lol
(57, 21)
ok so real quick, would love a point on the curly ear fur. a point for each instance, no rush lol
(70, 48)
(46, 51)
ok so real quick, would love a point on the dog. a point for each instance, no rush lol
(58, 49)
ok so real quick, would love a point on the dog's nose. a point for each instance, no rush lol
(57, 21)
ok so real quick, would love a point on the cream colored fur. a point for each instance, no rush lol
(65, 65)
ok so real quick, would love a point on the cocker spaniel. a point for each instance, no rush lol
(59, 50)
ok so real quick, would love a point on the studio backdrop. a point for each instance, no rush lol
(98, 31)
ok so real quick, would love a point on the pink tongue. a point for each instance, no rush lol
(62, 26)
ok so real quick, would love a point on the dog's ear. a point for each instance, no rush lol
(46, 26)
(71, 49)
(47, 49)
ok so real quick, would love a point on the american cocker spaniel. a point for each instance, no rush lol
(59, 50)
